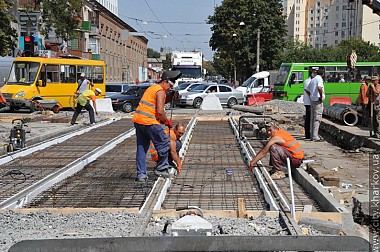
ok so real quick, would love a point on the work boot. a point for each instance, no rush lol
(163, 173)
(141, 180)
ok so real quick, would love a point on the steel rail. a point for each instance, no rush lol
(268, 196)
(40, 146)
(159, 190)
(26, 195)
(270, 180)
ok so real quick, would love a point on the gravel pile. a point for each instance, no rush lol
(15, 227)
(225, 226)
(288, 106)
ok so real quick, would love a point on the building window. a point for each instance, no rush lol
(336, 25)
(336, 34)
(325, 24)
(336, 42)
(343, 24)
(336, 8)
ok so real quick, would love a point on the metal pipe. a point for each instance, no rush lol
(292, 206)
(342, 112)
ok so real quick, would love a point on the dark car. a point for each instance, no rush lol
(115, 88)
(129, 100)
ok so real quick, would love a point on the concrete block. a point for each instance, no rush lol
(191, 225)
(330, 181)
(211, 102)
(327, 227)
(104, 105)
(361, 201)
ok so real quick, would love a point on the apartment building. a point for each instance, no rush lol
(322, 23)
(111, 5)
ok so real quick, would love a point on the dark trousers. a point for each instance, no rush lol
(307, 121)
(156, 134)
(79, 108)
(178, 147)
(278, 155)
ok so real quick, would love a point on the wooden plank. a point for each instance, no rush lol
(242, 211)
(71, 210)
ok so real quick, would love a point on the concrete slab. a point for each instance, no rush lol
(211, 102)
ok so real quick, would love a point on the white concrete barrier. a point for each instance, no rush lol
(104, 105)
(211, 102)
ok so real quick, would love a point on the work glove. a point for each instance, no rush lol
(168, 123)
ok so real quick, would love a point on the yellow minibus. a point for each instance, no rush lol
(53, 79)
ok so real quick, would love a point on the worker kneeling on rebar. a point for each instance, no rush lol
(175, 146)
(281, 145)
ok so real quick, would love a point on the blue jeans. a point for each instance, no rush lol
(156, 134)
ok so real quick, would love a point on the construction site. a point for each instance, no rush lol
(74, 189)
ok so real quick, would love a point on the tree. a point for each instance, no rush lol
(63, 16)
(240, 49)
(153, 54)
(210, 70)
(7, 34)
(296, 51)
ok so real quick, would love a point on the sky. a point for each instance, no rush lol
(178, 24)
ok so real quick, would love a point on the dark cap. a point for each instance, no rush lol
(171, 75)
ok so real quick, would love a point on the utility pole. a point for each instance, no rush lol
(258, 52)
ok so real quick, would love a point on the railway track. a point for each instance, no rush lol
(212, 150)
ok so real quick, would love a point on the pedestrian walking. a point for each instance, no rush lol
(362, 100)
(175, 135)
(148, 117)
(317, 96)
(83, 101)
(281, 145)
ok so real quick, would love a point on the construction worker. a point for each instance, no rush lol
(281, 146)
(83, 101)
(147, 119)
(83, 83)
(175, 146)
(372, 93)
(362, 100)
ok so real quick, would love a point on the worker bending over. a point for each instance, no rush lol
(83, 101)
(147, 120)
(281, 145)
(175, 146)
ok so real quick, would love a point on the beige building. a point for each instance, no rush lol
(323, 23)
(101, 36)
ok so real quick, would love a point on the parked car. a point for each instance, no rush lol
(128, 100)
(187, 87)
(227, 95)
(115, 88)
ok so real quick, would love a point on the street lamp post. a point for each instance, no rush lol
(258, 52)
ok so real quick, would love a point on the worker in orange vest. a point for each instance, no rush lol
(148, 117)
(175, 146)
(281, 145)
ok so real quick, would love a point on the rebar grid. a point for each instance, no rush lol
(44, 162)
(204, 181)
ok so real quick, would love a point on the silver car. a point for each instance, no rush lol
(227, 95)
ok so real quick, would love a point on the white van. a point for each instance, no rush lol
(254, 83)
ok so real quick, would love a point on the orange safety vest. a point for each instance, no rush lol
(153, 151)
(145, 113)
(291, 144)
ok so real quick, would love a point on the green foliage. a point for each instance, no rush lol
(62, 16)
(7, 34)
(296, 51)
(167, 63)
(153, 54)
(242, 48)
(210, 70)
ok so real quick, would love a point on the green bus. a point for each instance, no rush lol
(339, 80)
